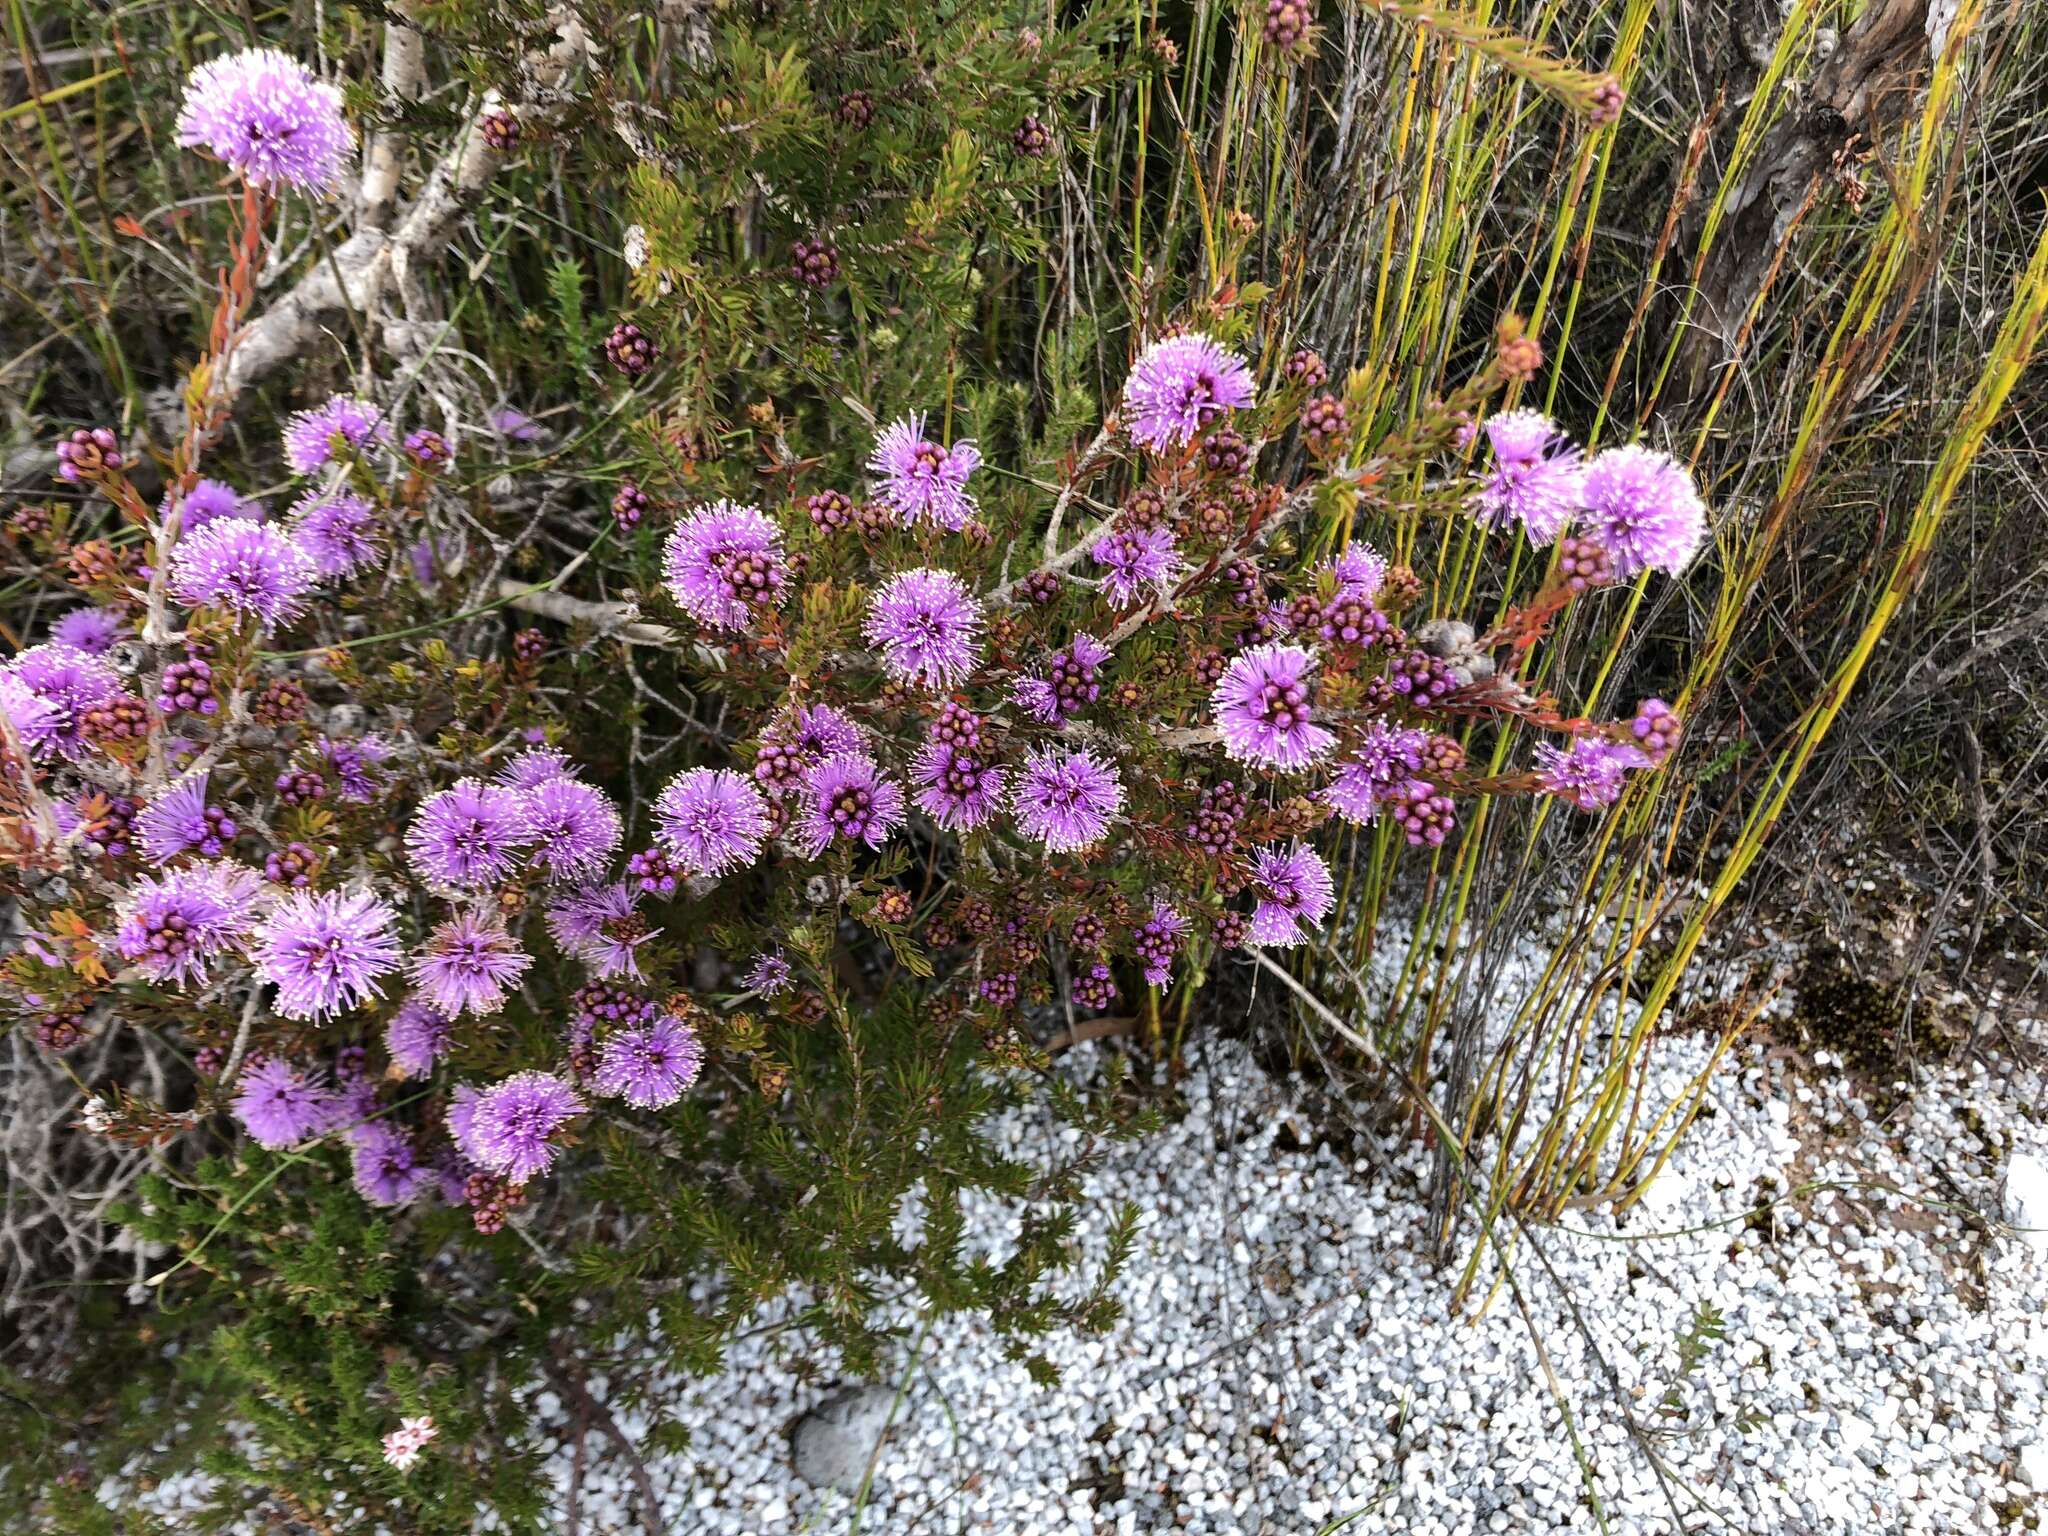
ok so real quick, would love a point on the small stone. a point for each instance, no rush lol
(2026, 1200)
(2034, 1465)
(835, 1442)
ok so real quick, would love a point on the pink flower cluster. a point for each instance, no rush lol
(1118, 757)
(1636, 504)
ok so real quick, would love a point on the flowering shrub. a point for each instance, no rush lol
(971, 752)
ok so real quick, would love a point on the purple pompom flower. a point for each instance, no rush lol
(208, 502)
(574, 826)
(280, 1106)
(1588, 773)
(769, 975)
(792, 748)
(386, 1165)
(171, 926)
(469, 835)
(310, 436)
(601, 926)
(512, 1125)
(650, 1066)
(182, 822)
(919, 480)
(326, 951)
(38, 723)
(536, 766)
(1641, 507)
(822, 731)
(1178, 386)
(1294, 891)
(353, 764)
(461, 1120)
(1387, 757)
(1262, 706)
(339, 530)
(91, 630)
(467, 963)
(1066, 799)
(959, 787)
(1537, 480)
(847, 797)
(1035, 696)
(712, 820)
(1136, 559)
(927, 626)
(267, 116)
(1359, 569)
(245, 566)
(66, 682)
(417, 1036)
(722, 562)
(1356, 794)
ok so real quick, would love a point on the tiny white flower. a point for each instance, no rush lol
(403, 1445)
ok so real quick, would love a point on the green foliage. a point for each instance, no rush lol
(878, 1105)
(565, 292)
(317, 1322)
(1706, 1328)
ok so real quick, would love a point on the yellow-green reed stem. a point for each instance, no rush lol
(1143, 133)
(2018, 338)
(1398, 155)
(112, 356)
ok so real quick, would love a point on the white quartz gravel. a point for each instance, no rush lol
(1291, 1360)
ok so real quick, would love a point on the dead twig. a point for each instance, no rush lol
(567, 1374)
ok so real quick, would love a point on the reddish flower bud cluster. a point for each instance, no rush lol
(1032, 139)
(501, 132)
(1325, 421)
(187, 688)
(814, 262)
(1584, 564)
(89, 454)
(629, 505)
(1305, 368)
(1287, 23)
(281, 702)
(1225, 452)
(631, 350)
(856, 110)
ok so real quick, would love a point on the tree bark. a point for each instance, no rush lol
(1855, 100)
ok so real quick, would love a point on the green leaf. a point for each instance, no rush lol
(565, 297)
